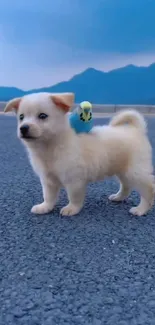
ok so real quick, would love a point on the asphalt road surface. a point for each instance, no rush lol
(96, 268)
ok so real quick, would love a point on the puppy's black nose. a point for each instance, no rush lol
(24, 129)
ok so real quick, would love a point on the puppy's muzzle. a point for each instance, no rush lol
(24, 129)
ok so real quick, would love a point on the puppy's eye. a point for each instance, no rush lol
(21, 117)
(42, 116)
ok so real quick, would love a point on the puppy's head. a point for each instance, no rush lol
(41, 115)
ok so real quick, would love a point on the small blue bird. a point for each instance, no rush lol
(81, 118)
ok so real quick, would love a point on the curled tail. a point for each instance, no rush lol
(131, 117)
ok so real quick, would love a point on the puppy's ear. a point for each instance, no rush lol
(64, 101)
(12, 105)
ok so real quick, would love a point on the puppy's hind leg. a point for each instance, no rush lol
(76, 195)
(124, 190)
(146, 187)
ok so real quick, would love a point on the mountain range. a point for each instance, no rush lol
(126, 85)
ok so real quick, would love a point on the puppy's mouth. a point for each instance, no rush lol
(27, 137)
(26, 134)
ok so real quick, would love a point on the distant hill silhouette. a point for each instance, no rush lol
(127, 85)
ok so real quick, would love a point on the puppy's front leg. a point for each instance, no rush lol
(76, 195)
(50, 193)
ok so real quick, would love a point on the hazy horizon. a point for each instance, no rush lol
(78, 72)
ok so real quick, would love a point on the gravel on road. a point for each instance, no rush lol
(96, 268)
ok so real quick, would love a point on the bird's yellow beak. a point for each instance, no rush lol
(86, 110)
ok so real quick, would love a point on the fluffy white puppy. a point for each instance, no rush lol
(61, 158)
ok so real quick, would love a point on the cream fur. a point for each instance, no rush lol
(62, 158)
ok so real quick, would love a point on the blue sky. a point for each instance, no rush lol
(44, 42)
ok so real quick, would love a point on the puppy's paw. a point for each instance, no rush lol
(70, 210)
(115, 197)
(137, 211)
(41, 208)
